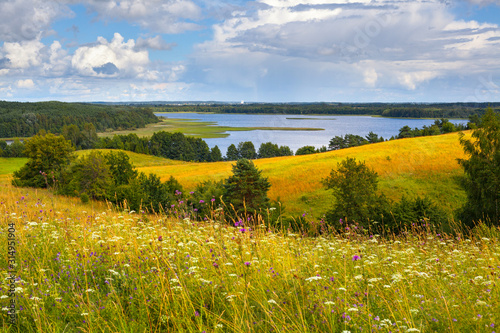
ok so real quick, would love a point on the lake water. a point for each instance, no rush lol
(332, 125)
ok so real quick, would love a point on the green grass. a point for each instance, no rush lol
(9, 165)
(87, 268)
(198, 129)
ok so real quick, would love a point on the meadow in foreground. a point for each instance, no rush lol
(89, 268)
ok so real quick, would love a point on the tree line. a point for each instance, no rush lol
(399, 110)
(27, 119)
(178, 146)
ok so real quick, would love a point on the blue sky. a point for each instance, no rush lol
(260, 51)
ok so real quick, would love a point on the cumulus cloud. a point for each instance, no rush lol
(23, 54)
(27, 84)
(26, 19)
(115, 58)
(397, 44)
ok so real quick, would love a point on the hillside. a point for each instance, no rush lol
(415, 166)
(89, 268)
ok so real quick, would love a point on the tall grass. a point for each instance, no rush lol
(89, 268)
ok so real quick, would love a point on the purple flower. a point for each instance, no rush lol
(216, 265)
(202, 201)
(355, 258)
(196, 313)
(160, 238)
(213, 199)
(247, 263)
(243, 229)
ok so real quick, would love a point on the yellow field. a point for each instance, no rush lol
(416, 166)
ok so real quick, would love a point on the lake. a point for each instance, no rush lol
(332, 125)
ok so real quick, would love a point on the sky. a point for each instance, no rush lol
(252, 51)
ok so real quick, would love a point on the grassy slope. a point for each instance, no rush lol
(418, 166)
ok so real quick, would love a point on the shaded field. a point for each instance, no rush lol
(198, 129)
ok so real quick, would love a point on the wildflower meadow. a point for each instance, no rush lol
(93, 268)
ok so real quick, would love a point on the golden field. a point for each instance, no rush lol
(416, 166)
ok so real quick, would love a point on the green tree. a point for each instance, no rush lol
(354, 188)
(215, 154)
(247, 150)
(72, 133)
(232, 153)
(120, 167)
(285, 151)
(92, 176)
(306, 150)
(246, 189)
(482, 171)
(268, 149)
(88, 136)
(47, 155)
(374, 138)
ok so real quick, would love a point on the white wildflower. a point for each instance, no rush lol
(313, 278)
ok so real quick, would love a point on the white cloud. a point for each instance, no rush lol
(373, 45)
(115, 58)
(27, 84)
(23, 54)
(27, 19)
(164, 16)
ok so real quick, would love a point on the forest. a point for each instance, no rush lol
(27, 119)
(400, 110)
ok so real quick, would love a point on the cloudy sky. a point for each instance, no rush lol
(262, 51)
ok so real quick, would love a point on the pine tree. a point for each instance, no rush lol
(232, 153)
(246, 190)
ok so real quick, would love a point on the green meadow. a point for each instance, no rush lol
(197, 129)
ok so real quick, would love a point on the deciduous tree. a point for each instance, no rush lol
(482, 171)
